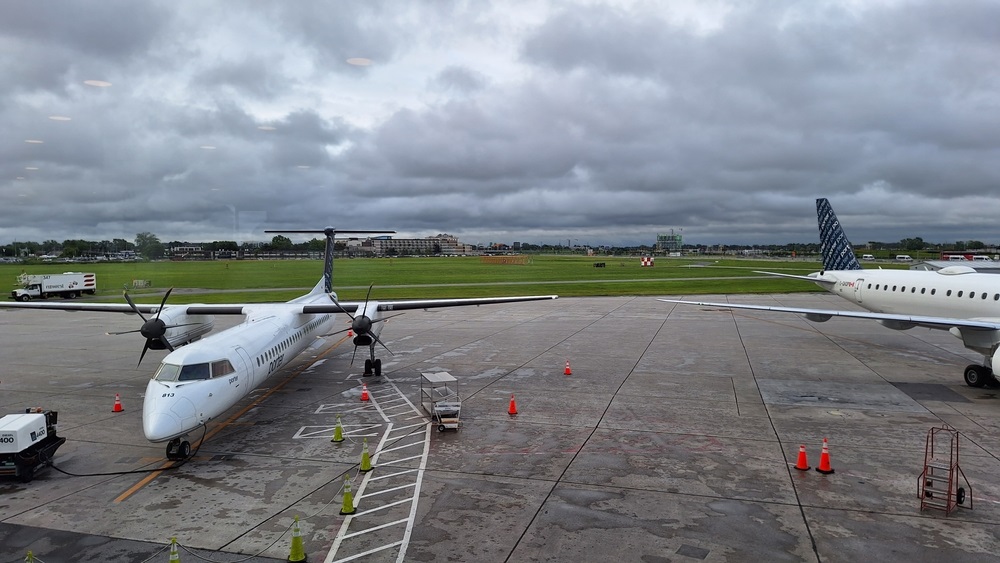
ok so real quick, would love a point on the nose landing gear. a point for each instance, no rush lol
(178, 449)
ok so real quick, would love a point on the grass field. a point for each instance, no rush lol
(402, 278)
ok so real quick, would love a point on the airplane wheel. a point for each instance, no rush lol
(172, 447)
(368, 367)
(975, 375)
(184, 451)
(378, 367)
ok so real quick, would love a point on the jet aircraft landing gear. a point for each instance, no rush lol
(178, 449)
(979, 376)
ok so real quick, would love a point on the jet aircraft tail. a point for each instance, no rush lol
(838, 254)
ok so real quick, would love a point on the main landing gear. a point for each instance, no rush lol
(980, 376)
(178, 449)
(373, 368)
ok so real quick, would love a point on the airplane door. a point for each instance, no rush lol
(857, 289)
(247, 369)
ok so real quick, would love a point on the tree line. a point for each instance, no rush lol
(148, 246)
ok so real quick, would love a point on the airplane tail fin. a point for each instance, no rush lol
(838, 254)
(325, 284)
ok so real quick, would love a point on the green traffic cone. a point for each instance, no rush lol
(338, 432)
(174, 556)
(366, 461)
(298, 553)
(348, 507)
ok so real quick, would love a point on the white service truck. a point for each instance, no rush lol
(69, 285)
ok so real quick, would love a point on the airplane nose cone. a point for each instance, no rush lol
(160, 426)
(164, 412)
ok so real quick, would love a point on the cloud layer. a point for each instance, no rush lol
(541, 121)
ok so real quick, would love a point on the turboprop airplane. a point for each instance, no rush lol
(958, 299)
(201, 378)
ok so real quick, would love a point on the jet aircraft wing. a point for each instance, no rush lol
(940, 323)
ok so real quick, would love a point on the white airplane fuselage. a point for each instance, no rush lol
(202, 380)
(956, 291)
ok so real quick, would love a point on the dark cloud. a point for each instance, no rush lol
(515, 121)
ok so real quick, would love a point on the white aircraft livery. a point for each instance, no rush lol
(199, 381)
(956, 298)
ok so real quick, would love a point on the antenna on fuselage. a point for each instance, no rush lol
(330, 233)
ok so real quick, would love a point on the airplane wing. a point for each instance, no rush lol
(815, 278)
(352, 306)
(244, 308)
(940, 323)
(222, 309)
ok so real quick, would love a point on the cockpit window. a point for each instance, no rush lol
(222, 367)
(194, 372)
(167, 372)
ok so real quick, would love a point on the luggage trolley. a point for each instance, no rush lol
(439, 397)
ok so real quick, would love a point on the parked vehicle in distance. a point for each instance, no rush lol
(68, 285)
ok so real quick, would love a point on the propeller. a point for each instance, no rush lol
(362, 324)
(152, 329)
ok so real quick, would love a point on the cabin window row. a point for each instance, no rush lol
(286, 343)
(923, 290)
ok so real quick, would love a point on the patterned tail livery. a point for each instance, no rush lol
(838, 254)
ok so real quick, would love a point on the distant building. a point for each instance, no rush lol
(669, 243)
(429, 246)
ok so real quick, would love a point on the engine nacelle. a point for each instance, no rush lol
(817, 318)
(897, 325)
(183, 328)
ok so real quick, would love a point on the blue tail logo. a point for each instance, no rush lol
(838, 254)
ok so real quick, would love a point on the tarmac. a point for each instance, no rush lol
(674, 438)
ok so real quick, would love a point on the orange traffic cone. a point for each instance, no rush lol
(350, 333)
(512, 409)
(364, 392)
(567, 371)
(824, 460)
(118, 404)
(802, 464)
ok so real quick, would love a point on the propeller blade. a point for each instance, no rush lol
(355, 353)
(383, 319)
(125, 332)
(166, 343)
(164, 302)
(379, 340)
(131, 304)
(143, 354)
(341, 307)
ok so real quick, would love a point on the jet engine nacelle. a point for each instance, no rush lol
(183, 328)
(897, 325)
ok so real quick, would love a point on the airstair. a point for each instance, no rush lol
(938, 486)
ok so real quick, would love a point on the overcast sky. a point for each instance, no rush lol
(543, 121)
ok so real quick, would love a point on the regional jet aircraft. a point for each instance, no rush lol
(958, 299)
(198, 382)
